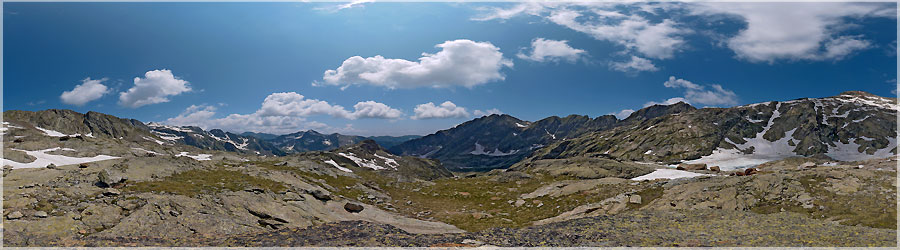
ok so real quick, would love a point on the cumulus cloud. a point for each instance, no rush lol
(281, 113)
(445, 110)
(544, 50)
(811, 35)
(459, 63)
(669, 101)
(605, 22)
(156, 87)
(623, 114)
(85, 92)
(636, 64)
(488, 112)
(713, 95)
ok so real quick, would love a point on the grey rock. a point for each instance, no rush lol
(110, 178)
(14, 215)
(353, 207)
(634, 199)
(40, 214)
(320, 195)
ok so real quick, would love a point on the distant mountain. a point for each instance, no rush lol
(263, 136)
(311, 140)
(390, 141)
(214, 139)
(498, 141)
(850, 126)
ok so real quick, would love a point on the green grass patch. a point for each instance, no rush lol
(194, 182)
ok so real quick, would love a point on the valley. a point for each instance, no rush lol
(813, 172)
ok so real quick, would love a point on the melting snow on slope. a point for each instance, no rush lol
(51, 132)
(850, 151)
(521, 125)
(166, 136)
(667, 174)
(339, 166)
(763, 150)
(366, 163)
(390, 162)
(43, 159)
(199, 157)
(146, 151)
(479, 150)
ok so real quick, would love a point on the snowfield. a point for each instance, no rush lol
(668, 174)
(339, 166)
(43, 159)
(199, 157)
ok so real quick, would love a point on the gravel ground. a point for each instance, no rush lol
(641, 228)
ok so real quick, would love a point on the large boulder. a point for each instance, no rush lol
(686, 166)
(108, 178)
(353, 207)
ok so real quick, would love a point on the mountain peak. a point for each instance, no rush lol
(658, 110)
(858, 93)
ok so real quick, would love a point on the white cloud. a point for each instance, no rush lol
(795, 31)
(281, 113)
(372, 109)
(155, 87)
(459, 63)
(623, 114)
(636, 64)
(488, 112)
(354, 3)
(713, 95)
(680, 83)
(85, 92)
(445, 110)
(294, 104)
(606, 22)
(669, 101)
(543, 50)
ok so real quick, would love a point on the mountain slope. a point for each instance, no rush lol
(850, 126)
(497, 141)
(214, 139)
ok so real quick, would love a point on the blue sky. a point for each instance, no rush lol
(285, 67)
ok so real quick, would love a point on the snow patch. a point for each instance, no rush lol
(199, 157)
(51, 132)
(668, 174)
(154, 140)
(339, 166)
(366, 163)
(521, 125)
(146, 151)
(390, 162)
(43, 159)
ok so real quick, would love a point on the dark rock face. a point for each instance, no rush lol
(847, 127)
(353, 207)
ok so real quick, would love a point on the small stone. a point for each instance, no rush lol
(353, 207)
(320, 195)
(40, 214)
(463, 193)
(472, 242)
(281, 163)
(111, 192)
(83, 165)
(808, 164)
(715, 169)
(14, 215)
(634, 199)
(519, 203)
(174, 213)
(370, 197)
(51, 166)
(408, 202)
